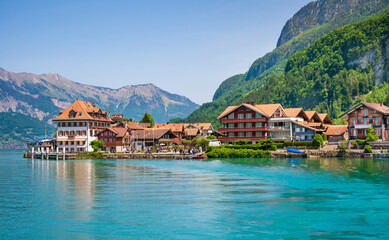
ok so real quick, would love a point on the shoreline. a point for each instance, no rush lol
(308, 154)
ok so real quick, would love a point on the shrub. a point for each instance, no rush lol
(368, 149)
(211, 137)
(371, 136)
(361, 142)
(241, 142)
(317, 141)
(324, 137)
(342, 148)
(298, 144)
(237, 153)
(96, 145)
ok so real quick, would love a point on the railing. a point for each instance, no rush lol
(239, 138)
(242, 129)
(278, 128)
(243, 120)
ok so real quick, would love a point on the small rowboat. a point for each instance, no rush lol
(198, 157)
(294, 150)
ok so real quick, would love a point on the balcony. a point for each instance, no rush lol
(278, 128)
(240, 138)
(242, 129)
(362, 126)
(243, 120)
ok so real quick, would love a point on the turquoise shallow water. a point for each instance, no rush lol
(154, 199)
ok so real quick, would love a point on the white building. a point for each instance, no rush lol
(78, 125)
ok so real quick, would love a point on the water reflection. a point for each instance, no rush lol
(367, 169)
(232, 198)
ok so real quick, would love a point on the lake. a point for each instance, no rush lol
(184, 199)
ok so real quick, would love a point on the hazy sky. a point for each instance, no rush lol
(184, 47)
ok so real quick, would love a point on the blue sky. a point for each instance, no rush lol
(184, 47)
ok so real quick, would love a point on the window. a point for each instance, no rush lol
(249, 134)
(248, 115)
(249, 125)
(231, 125)
(231, 134)
(302, 137)
(231, 116)
(257, 115)
(240, 125)
(240, 116)
(354, 132)
(258, 134)
(91, 133)
(258, 124)
(297, 129)
(365, 112)
(240, 134)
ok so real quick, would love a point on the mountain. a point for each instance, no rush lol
(310, 23)
(346, 66)
(42, 97)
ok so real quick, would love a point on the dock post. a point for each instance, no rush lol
(56, 154)
(48, 154)
(63, 158)
(32, 153)
(41, 153)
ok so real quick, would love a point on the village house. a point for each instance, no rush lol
(78, 125)
(337, 133)
(205, 129)
(271, 121)
(116, 139)
(176, 128)
(244, 121)
(363, 116)
(150, 137)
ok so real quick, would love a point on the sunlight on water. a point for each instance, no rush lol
(229, 199)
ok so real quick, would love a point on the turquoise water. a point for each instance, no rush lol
(234, 199)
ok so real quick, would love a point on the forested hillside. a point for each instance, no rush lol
(338, 69)
(310, 23)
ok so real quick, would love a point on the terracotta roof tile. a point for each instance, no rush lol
(336, 130)
(377, 106)
(152, 133)
(82, 111)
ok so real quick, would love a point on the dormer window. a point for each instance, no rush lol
(80, 114)
(72, 114)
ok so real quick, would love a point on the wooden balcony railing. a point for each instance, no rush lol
(242, 129)
(243, 120)
(239, 138)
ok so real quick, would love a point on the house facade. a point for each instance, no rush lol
(115, 139)
(255, 122)
(245, 121)
(78, 125)
(363, 116)
(337, 133)
(150, 137)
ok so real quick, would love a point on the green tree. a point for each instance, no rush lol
(147, 118)
(203, 143)
(368, 149)
(371, 136)
(211, 137)
(96, 145)
(317, 140)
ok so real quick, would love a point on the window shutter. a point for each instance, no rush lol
(351, 122)
(379, 121)
(373, 121)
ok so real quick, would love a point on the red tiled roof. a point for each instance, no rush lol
(377, 106)
(152, 133)
(336, 130)
(81, 110)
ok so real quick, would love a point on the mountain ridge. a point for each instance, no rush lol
(43, 96)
